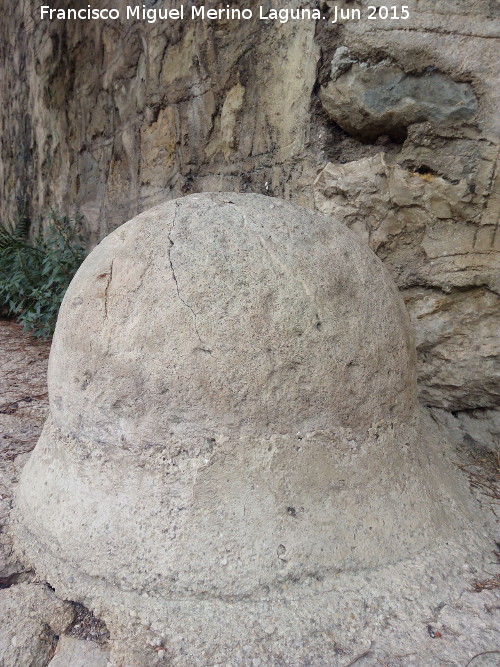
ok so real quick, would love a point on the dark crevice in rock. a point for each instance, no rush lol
(86, 626)
(16, 578)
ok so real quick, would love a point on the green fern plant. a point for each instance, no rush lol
(35, 275)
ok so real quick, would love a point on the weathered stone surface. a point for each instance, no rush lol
(234, 425)
(105, 119)
(78, 101)
(470, 624)
(430, 232)
(368, 101)
(32, 618)
(476, 429)
(73, 652)
(458, 40)
(23, 410)
(162, 110)
(232, 312)
(458, 346)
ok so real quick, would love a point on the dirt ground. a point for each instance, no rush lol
(23, 407)
(23, 383)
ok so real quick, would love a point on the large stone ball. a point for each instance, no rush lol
(233, 414)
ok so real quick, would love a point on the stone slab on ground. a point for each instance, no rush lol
(32, 618)
(73, 652)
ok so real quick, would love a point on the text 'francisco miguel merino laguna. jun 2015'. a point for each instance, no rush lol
(227, 13)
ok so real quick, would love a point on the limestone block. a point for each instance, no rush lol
(458, 346)
(368, 101)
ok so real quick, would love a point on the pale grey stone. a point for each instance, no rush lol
(235, 432)
(341, 62)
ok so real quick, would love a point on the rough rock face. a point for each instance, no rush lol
(106, 119)
(72, 652)
(428, 231)
(126, 114)
(369, 101)
(479, 429)
(32, 620)
(233, 423)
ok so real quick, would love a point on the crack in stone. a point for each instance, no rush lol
(203, 348)
(106, 289)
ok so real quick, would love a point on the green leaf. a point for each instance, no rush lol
(35, 275)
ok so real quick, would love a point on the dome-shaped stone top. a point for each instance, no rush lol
(224, 313)
(233, 428)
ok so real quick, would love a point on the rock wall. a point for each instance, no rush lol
(106, 118)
